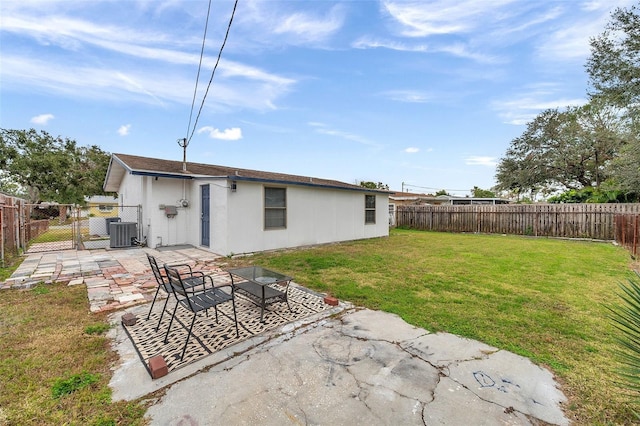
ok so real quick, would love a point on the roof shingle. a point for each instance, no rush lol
(154, 165)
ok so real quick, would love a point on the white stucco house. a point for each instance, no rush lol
(228, 210)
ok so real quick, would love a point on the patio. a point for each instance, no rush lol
(115, 279)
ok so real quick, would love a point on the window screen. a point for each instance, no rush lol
(275, 208)
(369, 209)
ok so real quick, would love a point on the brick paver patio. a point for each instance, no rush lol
(115, 279)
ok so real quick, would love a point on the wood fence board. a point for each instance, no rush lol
(591, 221)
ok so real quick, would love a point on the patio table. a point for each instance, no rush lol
(261, 285)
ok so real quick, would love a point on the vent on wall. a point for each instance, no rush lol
(122, 234)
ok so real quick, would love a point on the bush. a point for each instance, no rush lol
(627, 320)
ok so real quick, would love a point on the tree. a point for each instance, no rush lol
(482, 193)
(614, 67)
(563, 150)
(614, 74)
(52, 169)
(10, 187)
(373, 185)
(441, 192)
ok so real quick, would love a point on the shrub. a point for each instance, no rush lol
(627, 320)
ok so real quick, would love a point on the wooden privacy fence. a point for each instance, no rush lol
(627, 231)
(593, 221)
(10, 238)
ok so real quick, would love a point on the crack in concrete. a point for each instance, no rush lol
(443, 371)
(363, 385)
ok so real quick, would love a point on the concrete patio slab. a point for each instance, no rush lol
(329, 372)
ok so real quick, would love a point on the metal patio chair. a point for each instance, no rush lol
(198, 301)
(191, 279)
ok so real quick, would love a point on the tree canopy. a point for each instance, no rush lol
(478, 192)
(51, 168)
(563, 150)
(614, 65)
(373, 185)
(594, 147)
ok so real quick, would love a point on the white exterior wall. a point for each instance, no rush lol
(151, 193)
(314, 216)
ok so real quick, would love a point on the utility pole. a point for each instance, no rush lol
(183, 143)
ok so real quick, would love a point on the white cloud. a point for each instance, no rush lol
(267, 23)
(309, 27)
(411, 96)
(155, 86)
(411, 150)
(521, 110)
(232, 134)
(422, 19)
(42, 119)
(460, 50)
(571, 42)
(481, 161)
(124, 129)
(149, 53)
(368, 42)
(324, 130)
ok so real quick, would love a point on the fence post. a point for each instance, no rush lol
(77, 219)
(2, 221)
(635, 235)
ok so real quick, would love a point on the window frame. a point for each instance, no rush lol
(268, 209)
(368, 210)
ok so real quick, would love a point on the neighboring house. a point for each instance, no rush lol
(229, 210)
(410, 199)
(102, 206)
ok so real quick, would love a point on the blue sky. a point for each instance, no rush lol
(429, 93)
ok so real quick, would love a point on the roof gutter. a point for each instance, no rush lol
(156, 174)
(310, 184)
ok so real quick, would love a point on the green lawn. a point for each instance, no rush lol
(541, 298)
(55, 361)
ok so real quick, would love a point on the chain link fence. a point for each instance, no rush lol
(31, 228)
(112, 227)
(49, 227)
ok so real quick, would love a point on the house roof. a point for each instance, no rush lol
(122, 164)
(410, 196)
(101, 199)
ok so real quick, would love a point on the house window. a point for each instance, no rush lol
(275, 208)
(369, 209)
(105, 208)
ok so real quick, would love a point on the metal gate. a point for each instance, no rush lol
(54, 227)
(50, 227)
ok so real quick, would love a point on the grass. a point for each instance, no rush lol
(11, 263)
(55, 361)
(54, 235)
(541, 298)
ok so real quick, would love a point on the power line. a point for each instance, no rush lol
(224, 42)
(195, 90)
(436, 189)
